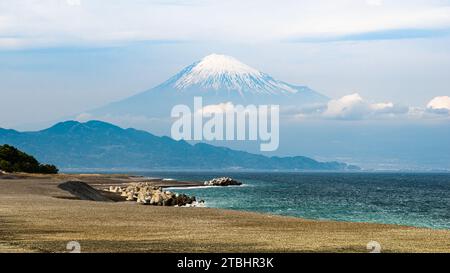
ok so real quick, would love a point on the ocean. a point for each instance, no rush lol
(412, 199)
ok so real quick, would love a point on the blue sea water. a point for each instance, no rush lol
(412, 199)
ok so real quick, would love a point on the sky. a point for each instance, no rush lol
(60, 52)
(59, 58)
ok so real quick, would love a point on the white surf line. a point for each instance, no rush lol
(204, 187)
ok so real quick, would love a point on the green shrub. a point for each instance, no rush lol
(14, 160)
(48, 169)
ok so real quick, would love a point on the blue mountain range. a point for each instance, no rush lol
(101, 145)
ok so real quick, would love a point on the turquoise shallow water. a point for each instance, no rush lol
(421, 200)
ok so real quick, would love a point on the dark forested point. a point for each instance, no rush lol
(14, 160)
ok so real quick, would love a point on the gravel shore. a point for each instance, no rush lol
(37, 216)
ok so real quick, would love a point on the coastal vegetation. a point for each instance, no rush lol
(14, 160)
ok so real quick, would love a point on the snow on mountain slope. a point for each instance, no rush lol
(216, 79)
(224, 72)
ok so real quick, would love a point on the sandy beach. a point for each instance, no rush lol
(37, 216)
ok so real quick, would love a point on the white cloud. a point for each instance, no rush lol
(228, 107)
(217, 108)
(350, 107)
(105, 22)
(73, 2)
(382, 106)
(83, 117)
(355, 107)
(345, 107)
(374, 2)
(439, 105)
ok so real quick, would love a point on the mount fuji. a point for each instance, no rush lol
(217, 79)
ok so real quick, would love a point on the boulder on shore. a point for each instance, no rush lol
(222, 182)
(145, 194)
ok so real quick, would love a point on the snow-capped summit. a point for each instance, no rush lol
(216, 79)
(216, 64)
(221, 72)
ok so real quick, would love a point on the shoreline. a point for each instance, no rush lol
(298, 217)
(170, 184)
(131, 170)
(127, 227)
(123, 179)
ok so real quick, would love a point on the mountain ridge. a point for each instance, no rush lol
(217, 79)
(97, 144)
